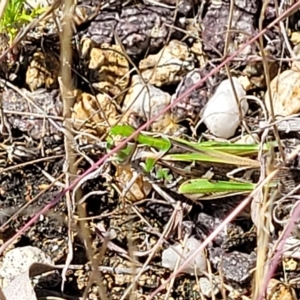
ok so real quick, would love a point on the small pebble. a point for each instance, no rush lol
(295, 37)
(248, 139)
(145, 100)
(207, 288)
(169, 65)
(285, 91)
(170, 257)
(278, 290)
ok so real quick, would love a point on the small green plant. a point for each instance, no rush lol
(163, 173)
(16, 16)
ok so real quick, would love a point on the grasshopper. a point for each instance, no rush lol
(187, 158)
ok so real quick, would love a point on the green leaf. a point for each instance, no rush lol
(39, 10)
(15, 16)
(163, 173)
(25, 18)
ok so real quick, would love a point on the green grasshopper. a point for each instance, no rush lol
(204, 152)
(205, 189)
(161, 144)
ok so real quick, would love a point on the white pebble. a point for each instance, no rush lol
(146, 101)
(171, 255)
(221, 113)
(19, 260)
(207, 288)
(248, 139)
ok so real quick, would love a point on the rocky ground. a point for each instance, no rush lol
(118, 232)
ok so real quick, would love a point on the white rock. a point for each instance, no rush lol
(248, 139)
(171, 255)
(145, 100)
(285, 91)
(221, 113)
(18, 260)
(207, 288)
